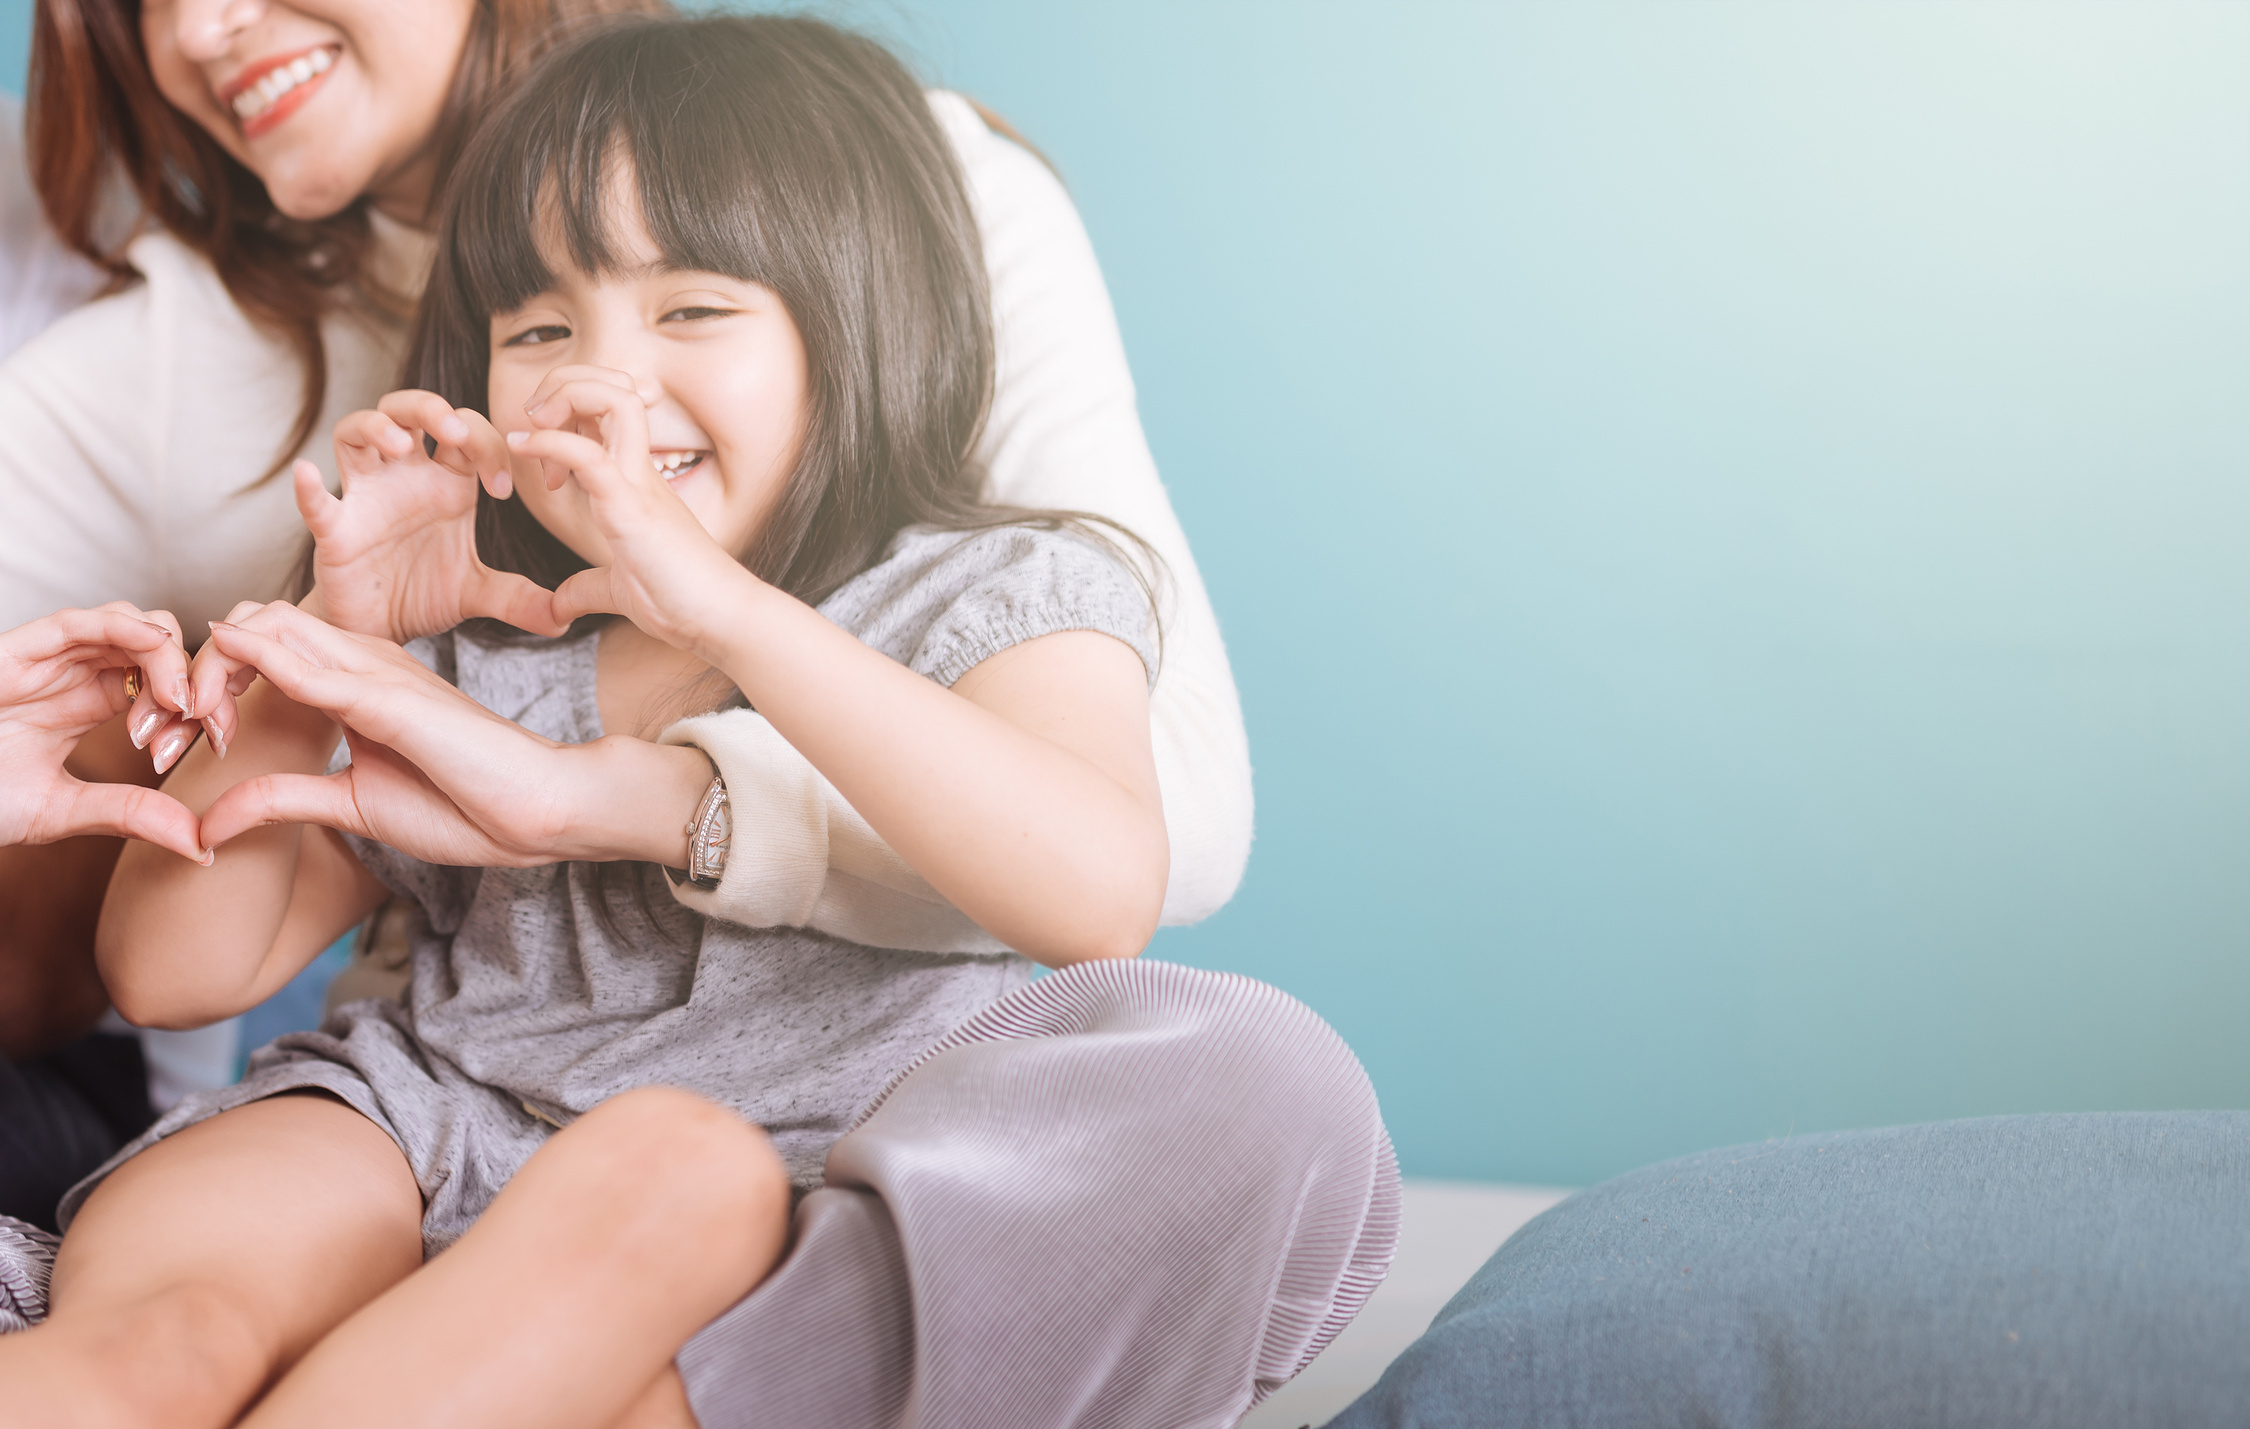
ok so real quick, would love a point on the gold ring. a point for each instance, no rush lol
(133, 683)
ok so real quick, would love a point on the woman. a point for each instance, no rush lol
(143, 431)
(264, 298)
(284, 172)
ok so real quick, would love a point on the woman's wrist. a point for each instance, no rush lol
(637, 799)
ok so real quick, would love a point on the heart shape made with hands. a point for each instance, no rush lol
(431, 773)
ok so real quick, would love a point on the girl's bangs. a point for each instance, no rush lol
(533, 196)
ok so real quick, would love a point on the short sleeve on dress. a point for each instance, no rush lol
(942, 602)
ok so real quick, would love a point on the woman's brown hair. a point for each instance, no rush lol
(93, 110)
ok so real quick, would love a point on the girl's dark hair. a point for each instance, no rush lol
(94, 110)
(782, 151)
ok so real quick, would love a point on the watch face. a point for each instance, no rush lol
(707, 842)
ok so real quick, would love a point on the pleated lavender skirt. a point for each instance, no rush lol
(1131, 1194)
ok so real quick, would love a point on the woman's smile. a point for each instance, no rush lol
(269, 90)
(326, 101)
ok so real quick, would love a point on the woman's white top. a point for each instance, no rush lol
(134, 428)
(40, 279)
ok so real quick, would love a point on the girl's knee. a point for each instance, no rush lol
(686, 1165)
(676, 1132)
(173, 1354)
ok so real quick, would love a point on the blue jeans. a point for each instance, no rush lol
(64, 1114)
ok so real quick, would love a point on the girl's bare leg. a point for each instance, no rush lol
(211, 1261)
(626, 1233)
(663, 1405)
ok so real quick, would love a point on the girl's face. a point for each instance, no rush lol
(324, 100)
(718, 362)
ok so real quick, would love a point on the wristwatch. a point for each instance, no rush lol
(708, 833)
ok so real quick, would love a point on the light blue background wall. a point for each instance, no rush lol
(1732, 525)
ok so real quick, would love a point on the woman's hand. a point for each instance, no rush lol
(380, 797)
(436, 775)
(61, 678)
(396, 555)
(665, 572)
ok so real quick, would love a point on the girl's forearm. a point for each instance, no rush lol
(181, 945)
(1049, 853)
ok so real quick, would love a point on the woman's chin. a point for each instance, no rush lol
(310, 170)
(320, 196)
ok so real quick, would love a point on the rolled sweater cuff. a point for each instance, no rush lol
(801, 857)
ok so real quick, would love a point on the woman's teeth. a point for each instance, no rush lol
(673, 465)
(276, 82)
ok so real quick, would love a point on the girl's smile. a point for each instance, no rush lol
(676, 467)
(716, 360)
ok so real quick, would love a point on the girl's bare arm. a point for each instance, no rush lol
(182, 945)
(1026, 795)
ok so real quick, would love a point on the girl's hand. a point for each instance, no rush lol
(61, 678)
(396, 555)
(665, 573)
(433, 774)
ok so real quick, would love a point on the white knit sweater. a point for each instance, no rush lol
(132, 427)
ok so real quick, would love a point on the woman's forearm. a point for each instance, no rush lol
(636, 799)
(181, 945)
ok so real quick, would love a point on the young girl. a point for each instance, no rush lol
(708, 321)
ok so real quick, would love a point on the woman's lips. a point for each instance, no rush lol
(268, 91)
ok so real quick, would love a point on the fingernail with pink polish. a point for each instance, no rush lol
(184, 692)
(210, 856)
(144, 725)
(170, 748)
(218, 740)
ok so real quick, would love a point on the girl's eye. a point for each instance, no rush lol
(696, 314)
(532, 337)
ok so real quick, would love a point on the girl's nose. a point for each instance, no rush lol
(204, 30)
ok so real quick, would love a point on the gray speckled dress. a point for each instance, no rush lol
(539, 993)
